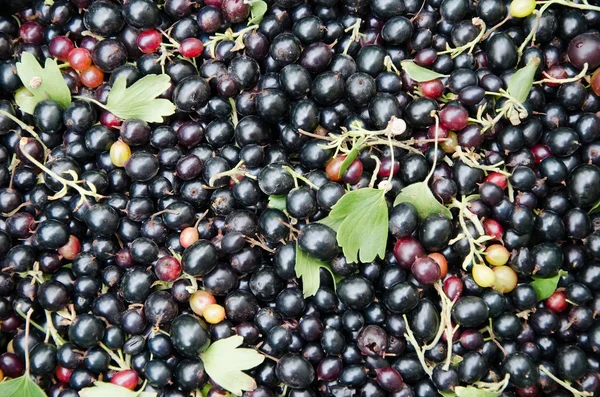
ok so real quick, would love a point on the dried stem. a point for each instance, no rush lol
(565, 384)
(120, 362)
(26, 128)
(420, 351)
(297, 176)
(65, 182)
(27, 322)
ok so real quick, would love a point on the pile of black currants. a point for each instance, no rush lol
(299, 198)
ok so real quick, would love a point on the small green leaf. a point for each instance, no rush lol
(419, 73)
(102, 389)
(470, 391)
(364, 230)
(43, 83)
(307, 269)
(419, 195)
(140, 100)
(257, 11)
(594, 209)
(520, 83)
(358, 145)
(22, 386)
(224, 362)
(277, 202)
(546, 286)
(206, 389)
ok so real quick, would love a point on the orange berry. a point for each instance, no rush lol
(92, 77)
(441, 261)
(214, 313)
(188, 236)
(333, 168)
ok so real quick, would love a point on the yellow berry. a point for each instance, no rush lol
(214, 314)
(449, 144)
(119, 153)
(496, 255)
(506, 279)
(522, 8)
(483, 276)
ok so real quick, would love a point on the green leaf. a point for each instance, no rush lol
(546, 286)
(470, 391)
(358, 145)
(332, 223)
(43, 83)
(21, 387)
(277, 202)
(140, 100)
(307, 268)
(103, 389)
(26, 100)
(419, 195)
(364, 230)
(520, 83)
(224, 362)
(447, 393)
(257, 11)
(419, 73)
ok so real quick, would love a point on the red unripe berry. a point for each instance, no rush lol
(167, 268)
(540, 152)
(149, 41)
(71, 249)
(191, 47)
(127, 379)
(454, 117)
(557, 302)
(453, 287)
(432, 89)
(555, 72)
(493, 228)
(31, 33)
(215, 3)
(63, 374)
(60, 47)
(442, 132)
(497, 179)
(109, 120)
